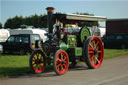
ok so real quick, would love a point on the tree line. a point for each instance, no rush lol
(17, 21)
(0, 25)
(36, 21)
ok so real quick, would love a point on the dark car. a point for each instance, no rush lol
(116, 41)
(21, 43)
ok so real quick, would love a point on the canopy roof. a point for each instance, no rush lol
(75, 18)
(79, 17)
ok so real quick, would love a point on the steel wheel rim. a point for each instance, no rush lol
(61, 62)
(38, 62)
(95, 52)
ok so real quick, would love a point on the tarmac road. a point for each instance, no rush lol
(112, 72)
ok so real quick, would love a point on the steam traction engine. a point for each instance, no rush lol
(66, 45)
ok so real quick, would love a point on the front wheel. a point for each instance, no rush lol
(61, 62)
(93, 51)
(37, 61)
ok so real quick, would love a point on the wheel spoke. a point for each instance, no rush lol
(99, 51)
(57, 62)
(42, 62)
(90, 45)
(33, 59)
(96, 44)
(33, 64)
(59, 65)
(97, 60)
(40, 66)
(91, 49)
(64, 65)
(97, 48)
(42, 59)
(58, 58)
(62, 68)
(91, 58)
(37, 55)
(91, 52)
(94, 59)
(62, 56)
(40, 56)
(36, 66)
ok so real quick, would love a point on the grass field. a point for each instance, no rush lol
(14, 65)
(109, 53)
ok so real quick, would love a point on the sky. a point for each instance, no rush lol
(108, 8)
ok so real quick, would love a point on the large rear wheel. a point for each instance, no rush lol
(61, 62)
(37, 61)
(93, 51)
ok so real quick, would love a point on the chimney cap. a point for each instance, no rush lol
(50, 9)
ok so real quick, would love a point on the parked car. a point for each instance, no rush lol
(4, 34)
(21, 43)
(39, 31)
(116, 41)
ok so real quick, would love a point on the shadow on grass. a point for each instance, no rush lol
(13, 72)
(25, 72)
(14, 54)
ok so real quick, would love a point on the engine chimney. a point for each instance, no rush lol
(49, 14)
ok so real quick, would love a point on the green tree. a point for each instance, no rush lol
(14, 23)
(36, 21)
(43, 23)
(0, 25)
(8, 23)
(33, 20)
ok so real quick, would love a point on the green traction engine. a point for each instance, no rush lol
(67, 44)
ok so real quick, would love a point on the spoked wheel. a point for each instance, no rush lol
(37, 61)
(93, 52)
(61, 62)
